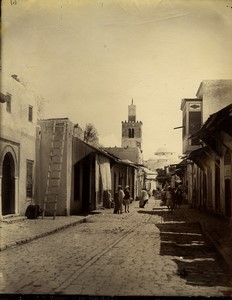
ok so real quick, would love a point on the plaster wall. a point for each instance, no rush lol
(216, 94)
(18, 133)
(64, 195)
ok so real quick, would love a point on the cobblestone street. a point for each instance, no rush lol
(144, 252)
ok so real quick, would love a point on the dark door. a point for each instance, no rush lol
(217, 187)
(204, 191)
(8, 185)
(77, 190)
(228, 198)
(86, 185)
(92, 185)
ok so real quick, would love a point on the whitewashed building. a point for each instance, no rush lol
(18, 117)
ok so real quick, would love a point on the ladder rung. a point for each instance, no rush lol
(51, 195)
(54, 153)
(61, 123)
(58, 140)
(51, 183)
(50, 202)
(56, 161)
(57, 171)
(56, 176)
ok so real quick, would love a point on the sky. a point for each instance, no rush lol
(87, 60)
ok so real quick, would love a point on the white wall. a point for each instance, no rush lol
(18, 133)
(216, 94)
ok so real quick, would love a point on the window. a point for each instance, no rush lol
(194, 121)
(184, 126)
(131, 133)
(29, 184)
(30, 113)
(194, 125)
(8, 103)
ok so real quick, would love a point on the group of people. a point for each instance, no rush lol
(172, 198)
(122, 199)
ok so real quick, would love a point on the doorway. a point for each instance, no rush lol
(217, 186)
(228, 198)
(8, 185)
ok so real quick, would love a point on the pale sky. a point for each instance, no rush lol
(88, 59)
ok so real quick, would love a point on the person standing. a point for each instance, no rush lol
(127, 198)
(116, 203)
(121, 195)
(144, 198)
(170, 200)
(179, 196)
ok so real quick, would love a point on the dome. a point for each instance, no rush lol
(163, 149)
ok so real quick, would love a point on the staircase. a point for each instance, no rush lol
(54, 168)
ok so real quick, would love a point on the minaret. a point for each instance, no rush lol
(132, 129)
(131, 112)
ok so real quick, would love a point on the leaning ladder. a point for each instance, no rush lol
(54, 168)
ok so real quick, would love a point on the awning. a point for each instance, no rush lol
(82, 149)
(104, 167)
(200, 156)
(221, 120)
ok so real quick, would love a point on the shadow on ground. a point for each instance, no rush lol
(166, 216)
(197, 260)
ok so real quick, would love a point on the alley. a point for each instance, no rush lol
(145, 252)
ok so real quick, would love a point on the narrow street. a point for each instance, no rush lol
(145, 252)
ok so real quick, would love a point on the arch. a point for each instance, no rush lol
(8, 184)
(8, 149)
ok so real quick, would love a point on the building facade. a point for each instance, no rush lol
(192, 121)
(212, 95)
(208, 167)
(73, 174)
(18, 110)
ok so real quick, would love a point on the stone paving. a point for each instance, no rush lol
(146, 252)
(25, 230)
(219, 231)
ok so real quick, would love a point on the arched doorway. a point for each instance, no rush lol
(8, 185)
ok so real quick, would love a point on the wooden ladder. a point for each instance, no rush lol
(54, 168)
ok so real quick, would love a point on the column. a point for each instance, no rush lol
(16, 195)
(0, 197)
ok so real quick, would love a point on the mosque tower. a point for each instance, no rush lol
(132, 129)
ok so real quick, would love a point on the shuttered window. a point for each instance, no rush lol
(8, 103)
(29, 184)
(194, 125)
(30, 113)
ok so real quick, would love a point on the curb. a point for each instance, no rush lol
(28, 239)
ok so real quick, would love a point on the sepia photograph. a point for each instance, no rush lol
(115, 149)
